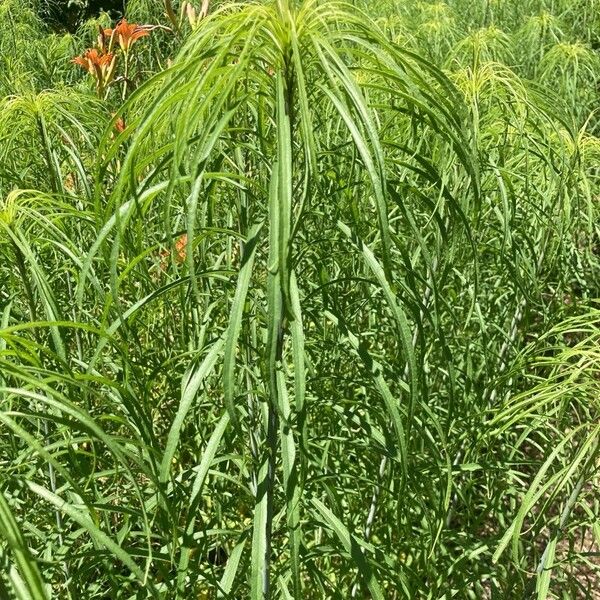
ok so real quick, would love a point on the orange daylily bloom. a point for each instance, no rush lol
(180, 252)
(127, 33)
(120, 125)
(181, 248)
(101, 65)
(92, 60)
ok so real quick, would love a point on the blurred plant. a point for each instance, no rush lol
(576, 67)
(533, 38)
(564, 365)
(484, 45)
(187, 11)
(70, 15)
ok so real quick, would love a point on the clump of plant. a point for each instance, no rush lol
(187, 11)
(274, 335)
(113, 46)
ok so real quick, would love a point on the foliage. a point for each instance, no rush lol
(70, 14)
(297, 301)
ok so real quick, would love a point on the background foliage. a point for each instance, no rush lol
(301, 303)
(70, 14)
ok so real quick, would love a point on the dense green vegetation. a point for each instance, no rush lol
(297, 300)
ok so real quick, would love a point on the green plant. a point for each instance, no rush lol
(268, 313)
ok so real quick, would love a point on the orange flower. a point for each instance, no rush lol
(120, 125)
(98, 64)
(180, 252)
(127, 33)
(92, 60)
(181, 247)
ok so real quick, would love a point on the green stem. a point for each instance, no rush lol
(53, 169)
(22, 271)
(125, 76)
